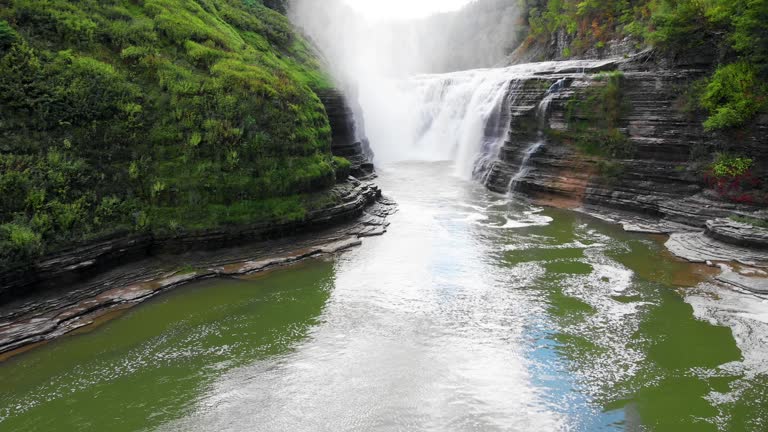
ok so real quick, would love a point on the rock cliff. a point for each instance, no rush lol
(348, 136)
(652, 161)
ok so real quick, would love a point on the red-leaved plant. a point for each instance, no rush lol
(732, 178)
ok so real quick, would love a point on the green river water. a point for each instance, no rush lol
(474, 313)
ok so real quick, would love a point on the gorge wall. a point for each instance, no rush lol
(617, 137)
(667, 151)
(348, 138)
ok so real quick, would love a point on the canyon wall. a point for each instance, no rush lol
(665, 153)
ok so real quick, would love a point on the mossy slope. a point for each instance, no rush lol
(130, 115)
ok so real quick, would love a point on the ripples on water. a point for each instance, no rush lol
(472, 313)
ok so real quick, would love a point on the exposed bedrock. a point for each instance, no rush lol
(662, 176)
(348, 135)
(352, 200)
(44, 315)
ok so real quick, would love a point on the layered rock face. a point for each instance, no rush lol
(351, 200)
(348, 135)
(664, 175)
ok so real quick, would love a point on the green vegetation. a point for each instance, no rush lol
(594, 118)
(732, 178)
(158, 115)
(733, 30)
(760, 223)
(342, 166)
(730, 166)
(733, 96)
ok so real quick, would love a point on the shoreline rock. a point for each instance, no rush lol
(46, 315)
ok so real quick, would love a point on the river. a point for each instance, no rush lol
(476, 312)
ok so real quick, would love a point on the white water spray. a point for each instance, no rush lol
(462, 117)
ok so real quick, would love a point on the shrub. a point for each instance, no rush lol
(732, 178)
(730, 166)
(342, 167)
(8, 36)
(733, 96)
(18, 242)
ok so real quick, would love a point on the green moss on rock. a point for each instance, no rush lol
(153, 115)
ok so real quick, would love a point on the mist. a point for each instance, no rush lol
(372, 60)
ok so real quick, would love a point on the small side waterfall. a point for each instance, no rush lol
(524, 168)
(542, 110)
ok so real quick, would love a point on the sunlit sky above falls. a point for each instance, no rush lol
(389, 9)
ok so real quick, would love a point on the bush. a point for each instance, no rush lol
(343, 168)
(8, 36)
(733, 96)
(18, 242)
(732, 178)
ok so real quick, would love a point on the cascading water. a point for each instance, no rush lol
(524, 168)
(459, 117)
(542, 110)
(462, 117)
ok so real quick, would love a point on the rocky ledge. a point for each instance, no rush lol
(347, 133)
(737, 233)
(46, 314)
(351, 198)
(654, 181)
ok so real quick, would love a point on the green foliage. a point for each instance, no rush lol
(734, 29)
(730, 166)
(760, 223)
(342, 167)
(594, 118)
(678, 25)
(8, 36)
(160, 114)
(733, 96)
(19, 241)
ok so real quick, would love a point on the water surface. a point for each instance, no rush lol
(473, 313)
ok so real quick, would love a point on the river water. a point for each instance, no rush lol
(476, 312)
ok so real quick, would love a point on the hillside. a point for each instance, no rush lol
(156, 116)
(730, 35)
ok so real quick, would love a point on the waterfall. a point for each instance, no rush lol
(524, 168)
(463, 117)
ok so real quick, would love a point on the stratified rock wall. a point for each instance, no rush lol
(664, 177)
(348, 136)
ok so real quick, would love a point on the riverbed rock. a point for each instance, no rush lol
(698, 247)
(757, 285)
(661, 187)
(43, 315)
(68, 267)
(737, 233)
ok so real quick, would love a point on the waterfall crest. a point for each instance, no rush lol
(464, 116)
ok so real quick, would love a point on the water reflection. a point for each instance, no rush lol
(472, 313)
(149, 366)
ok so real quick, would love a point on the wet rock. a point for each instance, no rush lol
(659, 181)
(660, 189)
(47, 314)
(737, 233)
(758, 285)
(347, 135)
(697, 247)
